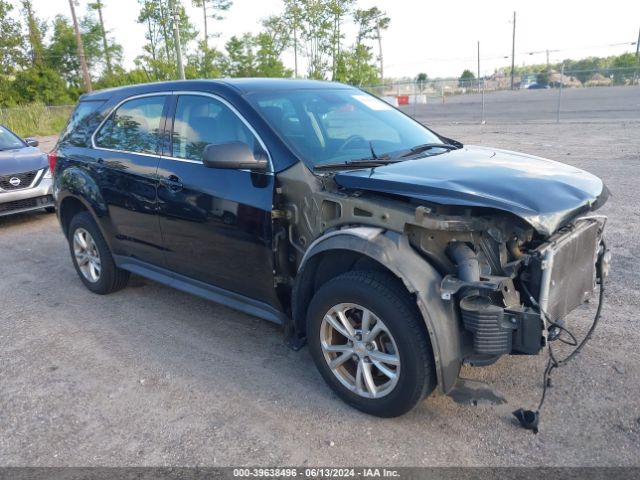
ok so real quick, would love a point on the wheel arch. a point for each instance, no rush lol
(377, 249)
(76, 191)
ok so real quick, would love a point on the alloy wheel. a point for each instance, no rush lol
(87, 255)
(360, 350)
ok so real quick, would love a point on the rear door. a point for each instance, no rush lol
(215, 223)
(127, 149)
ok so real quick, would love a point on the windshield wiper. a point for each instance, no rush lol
(359, 163)
(428, 146)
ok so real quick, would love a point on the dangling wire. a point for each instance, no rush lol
(553, 362)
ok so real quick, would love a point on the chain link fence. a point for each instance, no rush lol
(36, 119)
(602, 95)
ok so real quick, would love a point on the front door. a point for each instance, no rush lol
(127, 151)
(215, 223)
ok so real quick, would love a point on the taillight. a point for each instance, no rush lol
(53, 157)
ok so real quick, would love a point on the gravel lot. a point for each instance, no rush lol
(152, 376)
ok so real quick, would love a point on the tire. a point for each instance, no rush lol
(50, 209)
(110, 277)
(402, 341)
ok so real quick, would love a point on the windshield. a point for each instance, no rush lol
(8, 140)
(327, 126)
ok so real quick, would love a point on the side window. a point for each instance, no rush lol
(200, 121)
(82, 123)
(134, 126)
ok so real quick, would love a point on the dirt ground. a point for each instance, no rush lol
(153, 376)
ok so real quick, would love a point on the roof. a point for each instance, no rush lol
(240, 85)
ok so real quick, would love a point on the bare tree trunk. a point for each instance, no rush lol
(164, 31)
(206, 32)
(153, 48)
(86, 79)
(107, 55)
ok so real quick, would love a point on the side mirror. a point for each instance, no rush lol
(232, 155)
(32, 142)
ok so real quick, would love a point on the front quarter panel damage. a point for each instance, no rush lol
(393, 250)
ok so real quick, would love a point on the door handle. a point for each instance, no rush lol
(172, 183)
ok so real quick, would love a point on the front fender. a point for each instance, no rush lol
(393, 250)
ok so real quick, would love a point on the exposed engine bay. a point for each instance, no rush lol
(511, 286)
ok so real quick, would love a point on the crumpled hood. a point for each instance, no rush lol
(543, 192)
(21, 160)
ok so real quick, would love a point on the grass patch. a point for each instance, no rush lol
(36, 119)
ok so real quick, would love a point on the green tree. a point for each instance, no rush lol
(542, 78)
(207, 63)
(338, 10)
(159, 57)
(623, 67)
(240, 60)
(268, 62)
(12, 46)
(466, 78)
(211, 9)
(36, 30)
(271, 43)
(356, 65)
(111, 51)
(62, 54)
(119, 77)
(8, 96)
(421, 80)
(310, 21)
(41, 84)
(93, 38)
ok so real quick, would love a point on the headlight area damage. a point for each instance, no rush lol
(519, 305)
(487, 281)
(513, 289)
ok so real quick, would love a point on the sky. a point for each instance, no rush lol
(436, 37)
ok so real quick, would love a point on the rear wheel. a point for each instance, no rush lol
(366, 337)
(91, 256)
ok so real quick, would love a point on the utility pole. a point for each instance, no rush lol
(176, 35)
(637, 58)
(547, 59)
(98, 6)
(560, 93)
(478, 66)
(513, 49)
(86, 79)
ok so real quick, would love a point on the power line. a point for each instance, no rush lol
(496, 56)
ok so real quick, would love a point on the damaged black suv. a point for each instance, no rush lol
(397, 254)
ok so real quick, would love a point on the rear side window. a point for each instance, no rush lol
(82, 123)
(134, 126)
(200, 121)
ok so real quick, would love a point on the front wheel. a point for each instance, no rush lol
(367, 339)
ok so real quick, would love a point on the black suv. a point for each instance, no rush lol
(396, 253)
